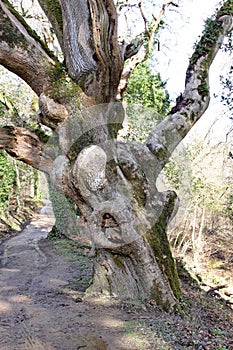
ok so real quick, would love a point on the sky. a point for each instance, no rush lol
(183, 26)
(177, 46)
(178, 39)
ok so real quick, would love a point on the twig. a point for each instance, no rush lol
(140, 56)
(147, 32)
(214, 289)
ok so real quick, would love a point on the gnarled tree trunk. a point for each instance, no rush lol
(112, 184)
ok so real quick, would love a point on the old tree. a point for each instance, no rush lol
(113, 184)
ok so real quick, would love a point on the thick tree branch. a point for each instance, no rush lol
(78, 43)
(52, 10)
(24, 145)
(104, 25)
(21, 51)
(108, 56)
(194, 101)
(92, 53)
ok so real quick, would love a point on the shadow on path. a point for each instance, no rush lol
(41, 306)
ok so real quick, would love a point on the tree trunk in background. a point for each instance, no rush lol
(17, 184)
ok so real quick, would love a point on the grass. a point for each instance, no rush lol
(203, 322)
(78, 253)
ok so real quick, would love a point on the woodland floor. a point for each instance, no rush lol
(42, 304)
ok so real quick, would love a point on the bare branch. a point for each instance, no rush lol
(194, 101)
(24, 145)
(147, 31)
(156, 25)
(21, 51)
(138, 55)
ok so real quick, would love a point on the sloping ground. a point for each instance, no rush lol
(14, 218)
(42, 304)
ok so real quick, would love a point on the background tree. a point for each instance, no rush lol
(147, 102)
(111, 183)
(19, 192)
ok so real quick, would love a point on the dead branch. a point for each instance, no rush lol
(24, 145)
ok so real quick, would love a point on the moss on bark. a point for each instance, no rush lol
(13, 36)
(159, 243)
(52, 9)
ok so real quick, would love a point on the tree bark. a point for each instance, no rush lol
(112, 184)
(52, 10)
(24, 145)
(194, 101)
(21, 50)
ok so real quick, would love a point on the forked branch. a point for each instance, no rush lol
(134, 52)
(90, 45)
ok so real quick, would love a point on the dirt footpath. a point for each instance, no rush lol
(42, 304)
(41, 299)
